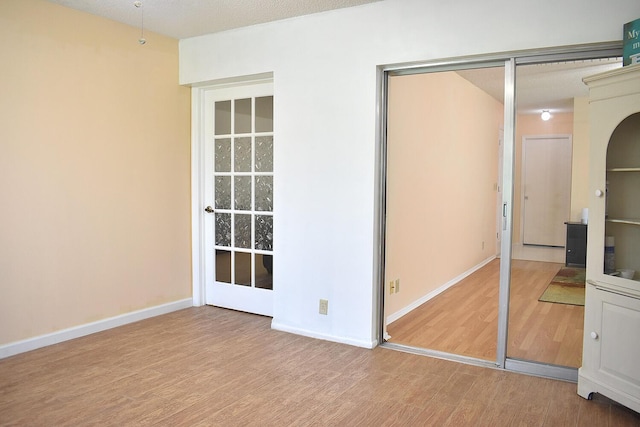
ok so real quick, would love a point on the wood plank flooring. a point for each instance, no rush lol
(464, 319)
(213, 367)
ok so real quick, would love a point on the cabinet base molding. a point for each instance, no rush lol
(587, 386)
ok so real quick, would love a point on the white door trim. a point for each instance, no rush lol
(197, 194)
(198, 251)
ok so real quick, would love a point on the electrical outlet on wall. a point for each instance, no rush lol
(392, 287)
(324, 306)
(397, 285)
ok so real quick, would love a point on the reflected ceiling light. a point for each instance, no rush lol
(546, 115)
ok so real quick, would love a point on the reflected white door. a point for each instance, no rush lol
(546, 176)
(239, 198)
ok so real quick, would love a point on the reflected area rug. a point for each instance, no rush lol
(567, 287)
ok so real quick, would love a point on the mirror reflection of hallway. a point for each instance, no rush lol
(448, 270)
(443, 136)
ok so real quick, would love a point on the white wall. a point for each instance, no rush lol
(324, 69)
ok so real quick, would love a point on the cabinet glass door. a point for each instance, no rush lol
(622, 205)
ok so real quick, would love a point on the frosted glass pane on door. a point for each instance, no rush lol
(264, 232)
(222, 155)
(242, 235)
(264, 154)
(223, 229)
(242, 195)
(242, 155)
(222, 188)
(264, 193)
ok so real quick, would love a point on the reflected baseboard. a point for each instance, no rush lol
(537, 253)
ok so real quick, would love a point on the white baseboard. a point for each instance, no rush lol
(29, 344)
(312, 334)
(398, 314)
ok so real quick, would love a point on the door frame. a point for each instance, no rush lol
(526, 138)
(198, 158)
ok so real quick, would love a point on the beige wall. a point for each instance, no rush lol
(580, 159)
(527, 125)
(442, 170)
(94, 170)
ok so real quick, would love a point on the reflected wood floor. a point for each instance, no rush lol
(214, 367)
(464, 319)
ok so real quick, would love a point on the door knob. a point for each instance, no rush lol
(209, 209)
(594, 335)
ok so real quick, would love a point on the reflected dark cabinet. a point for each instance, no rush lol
(576, 246)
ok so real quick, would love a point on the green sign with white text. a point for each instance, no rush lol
(631, 43)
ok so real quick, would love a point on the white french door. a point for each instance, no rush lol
(238, 198)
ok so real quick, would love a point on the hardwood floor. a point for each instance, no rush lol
(213, 367)
(542, 331)
(464, 319)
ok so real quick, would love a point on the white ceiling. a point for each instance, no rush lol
(538, 87)
(188, 18)
(542, 86)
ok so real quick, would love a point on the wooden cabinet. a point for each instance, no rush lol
(611, 344)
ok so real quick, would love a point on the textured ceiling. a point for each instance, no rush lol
(538, 87)
(188, 18)
(542, 86)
